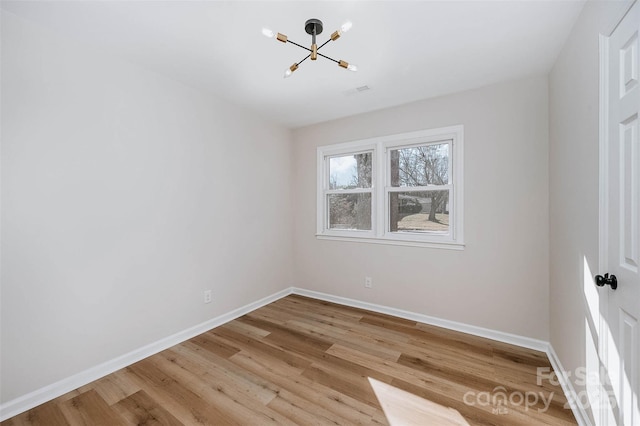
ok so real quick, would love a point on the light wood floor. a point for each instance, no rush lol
(304, 361)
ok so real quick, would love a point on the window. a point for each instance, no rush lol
(350, 192)
(403, 189)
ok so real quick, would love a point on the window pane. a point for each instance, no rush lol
(350, 171)
(424, 211)
(420, 165)
(350, 211)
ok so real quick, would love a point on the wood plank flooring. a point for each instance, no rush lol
(304, 361)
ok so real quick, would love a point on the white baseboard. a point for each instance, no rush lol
(54, 390)
(49, 392)
(514, 339)
(567, 387)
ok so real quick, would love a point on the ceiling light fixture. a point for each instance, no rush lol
(313, 27)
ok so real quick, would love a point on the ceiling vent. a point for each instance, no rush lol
(356, 91)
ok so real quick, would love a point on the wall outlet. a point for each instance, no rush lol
(368, 282)
(207, 296)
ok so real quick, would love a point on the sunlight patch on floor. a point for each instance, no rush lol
(404, 408)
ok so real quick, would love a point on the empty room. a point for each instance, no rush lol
(319, 212)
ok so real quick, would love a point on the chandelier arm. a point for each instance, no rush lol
(323, 44)
(326, 57)
(309, 50)
(305, 58)
(299, 45)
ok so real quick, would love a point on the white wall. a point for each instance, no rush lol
(124, 196)
(116, 211)
(573, 183)
(500, 280)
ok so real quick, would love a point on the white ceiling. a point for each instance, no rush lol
(405, 50)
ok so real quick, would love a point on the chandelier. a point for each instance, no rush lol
(313, 27)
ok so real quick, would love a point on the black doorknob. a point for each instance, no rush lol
(607, 280)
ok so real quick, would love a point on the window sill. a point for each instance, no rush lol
(394, 242)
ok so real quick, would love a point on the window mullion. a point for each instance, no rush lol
(349, 191)
(418, 188)
(382, 182)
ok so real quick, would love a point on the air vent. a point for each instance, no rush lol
(356, 91)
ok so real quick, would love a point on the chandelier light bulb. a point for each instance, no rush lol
(290, 70)
(346, 27)
(346, 65)
(268, 33)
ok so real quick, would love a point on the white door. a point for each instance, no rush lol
(620, 307)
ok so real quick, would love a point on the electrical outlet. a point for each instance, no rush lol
(368, 282)
(207, 296)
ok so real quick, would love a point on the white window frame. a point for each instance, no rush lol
(381, 188)
(324, 191)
